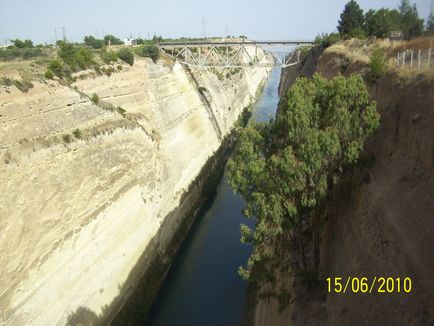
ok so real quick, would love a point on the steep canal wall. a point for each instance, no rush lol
(95, 195)
(380, 224)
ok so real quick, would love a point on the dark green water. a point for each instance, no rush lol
(203, 286)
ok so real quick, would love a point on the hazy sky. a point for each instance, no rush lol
(266, 19)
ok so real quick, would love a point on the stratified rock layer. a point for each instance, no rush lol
(85, 187)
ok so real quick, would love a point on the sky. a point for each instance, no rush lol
(258, 20)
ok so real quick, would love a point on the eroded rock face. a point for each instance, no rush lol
(85, 187)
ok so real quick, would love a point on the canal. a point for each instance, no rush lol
(203, 286)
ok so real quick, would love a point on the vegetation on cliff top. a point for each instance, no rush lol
(380, 23)
(285, 168)
(353, 22)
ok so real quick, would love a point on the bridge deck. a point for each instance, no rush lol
(233, 43)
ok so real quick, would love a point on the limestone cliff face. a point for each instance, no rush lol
(85, 187)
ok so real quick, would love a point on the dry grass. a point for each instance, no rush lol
(421, 43)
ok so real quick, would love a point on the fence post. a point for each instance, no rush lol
(418, 61)
(429, 58)
(397, 59)
(411, 59)
(403, 59)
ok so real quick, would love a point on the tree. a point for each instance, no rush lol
(430, 23)
(112, 40)
(352, 19)
(380, 23)
(284, 169)
(411, 24)
(22, 44)
(93, 42)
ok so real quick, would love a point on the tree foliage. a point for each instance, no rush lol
(76, 57)
(150, 51)
(108, 56)
(352, 19)
(430, 23)
(22, 44)
(112, 40)
(381, 22)
(284, 169)
(327, 40)
(411, 24)
(93, 42)
(377, 65)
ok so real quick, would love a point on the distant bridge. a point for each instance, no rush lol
(234, 54)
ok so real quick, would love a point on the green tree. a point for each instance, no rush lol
(22, 44)
(93, 42)
(430, 23)
(352, 19)
(126, 55)
(411, 24)
(284, 169)
(112, 40)
(381, 22)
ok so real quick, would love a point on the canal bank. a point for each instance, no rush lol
(203, 286)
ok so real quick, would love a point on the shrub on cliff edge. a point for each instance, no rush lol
(126, 55)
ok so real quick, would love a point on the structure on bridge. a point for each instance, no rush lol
(233, 54)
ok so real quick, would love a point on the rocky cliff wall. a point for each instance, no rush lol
(87, 188)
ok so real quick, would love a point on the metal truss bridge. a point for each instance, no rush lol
(234, 54)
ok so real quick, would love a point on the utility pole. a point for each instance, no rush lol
(226, 31)
(203, 28)
(63, 33)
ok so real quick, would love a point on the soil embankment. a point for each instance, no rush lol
(381, 225)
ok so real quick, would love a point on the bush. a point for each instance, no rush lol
(108, 56)
(326, 40)
(377, 65)
(121, 111)
(77, 133)
(12, 53)
(150, 51)
(67, 138)
(76, 57)
(126, 55)
(108, 71)
(23, 85)
(49, 74)
(56, 67)
(95, 98)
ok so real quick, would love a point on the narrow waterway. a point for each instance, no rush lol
(203, 286)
